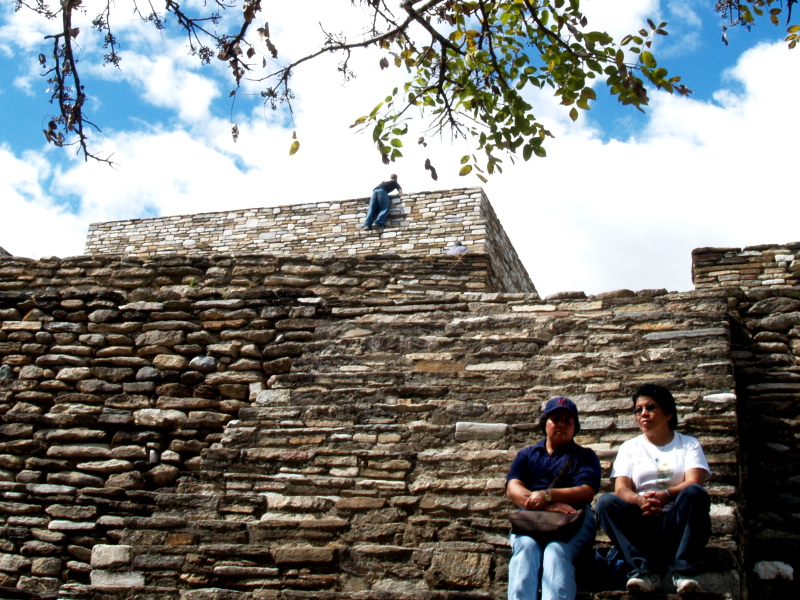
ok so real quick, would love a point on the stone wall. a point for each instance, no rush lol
(273, 443)
(508, 271)
(767, 266)
(422, 224)
(762, 282)
(327, 275)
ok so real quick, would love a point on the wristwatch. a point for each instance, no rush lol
(548, 497)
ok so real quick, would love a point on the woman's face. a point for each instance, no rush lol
(560, 427)
(649, 415)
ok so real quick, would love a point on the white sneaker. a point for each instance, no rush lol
(684, 584)
(644, 582)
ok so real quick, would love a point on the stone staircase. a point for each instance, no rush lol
(375, 467)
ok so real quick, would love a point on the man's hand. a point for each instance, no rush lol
(560, 507)
(536, 500)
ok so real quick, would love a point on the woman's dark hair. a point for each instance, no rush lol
(664, 399)
(545, 416)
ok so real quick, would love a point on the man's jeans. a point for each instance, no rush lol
(673, 540)
(550, 564)
(379, 205)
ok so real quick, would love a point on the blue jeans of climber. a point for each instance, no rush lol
(379, 205)
(550, 565)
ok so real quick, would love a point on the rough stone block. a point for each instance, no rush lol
(301, 555)
(480, 431)
(120, 579)
(459, 569)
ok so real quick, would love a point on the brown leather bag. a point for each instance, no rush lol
(545, 526)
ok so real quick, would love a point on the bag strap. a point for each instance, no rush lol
(563, 470)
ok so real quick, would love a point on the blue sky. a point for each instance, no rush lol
(620, 201)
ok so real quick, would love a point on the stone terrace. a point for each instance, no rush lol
(269, 425)
(277, 444)
(420, 224)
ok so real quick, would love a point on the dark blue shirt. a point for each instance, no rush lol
(388, 186)
(537, 469)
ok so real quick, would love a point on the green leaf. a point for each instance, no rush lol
(396, 143)
(465, 170)
(527, 151)
(648, 59)
(358, 121)
(573, 114)
(294, 148)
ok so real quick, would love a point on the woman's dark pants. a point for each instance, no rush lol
(673, 540)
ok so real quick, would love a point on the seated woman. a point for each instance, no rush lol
(658, 515)
(528, 485)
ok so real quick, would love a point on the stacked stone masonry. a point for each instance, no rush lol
(768, 266)
(268, 425)
(762, 282)
(421, 224)
(327, 275)
(275, 443)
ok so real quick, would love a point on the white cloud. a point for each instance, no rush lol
(700, 175)
(33, 224)
(168, 84)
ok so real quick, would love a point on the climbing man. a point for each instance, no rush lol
(380, 203)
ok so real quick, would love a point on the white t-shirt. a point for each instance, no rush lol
(654, 468)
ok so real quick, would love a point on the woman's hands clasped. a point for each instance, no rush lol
(652, 503)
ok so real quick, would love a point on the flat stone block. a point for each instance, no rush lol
(106, 555)
(480, 431)
(125, 579)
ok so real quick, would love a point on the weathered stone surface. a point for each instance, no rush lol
(132, 480)
(74, 479)
(163, 475)
(106, 466)
(76, 513)
(12, 563)
(302, 555)
(206, 364)
(460, 569)
(79, 451)
(40, 586)
(117, 579)
(105, 556)
(154, 417)
(160, 338)
(480, 431)
(46, 567)
(63, 525)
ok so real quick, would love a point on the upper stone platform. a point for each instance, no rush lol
(422, 224)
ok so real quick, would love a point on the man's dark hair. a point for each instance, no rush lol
(664, 399)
